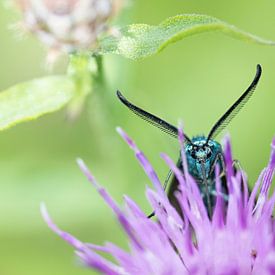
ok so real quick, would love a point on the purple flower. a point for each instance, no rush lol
(240, 238)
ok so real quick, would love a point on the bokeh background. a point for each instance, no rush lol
(195, 80)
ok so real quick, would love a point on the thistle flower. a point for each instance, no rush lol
(67, 25)
(239, 239)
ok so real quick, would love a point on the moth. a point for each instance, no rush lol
(203, 153)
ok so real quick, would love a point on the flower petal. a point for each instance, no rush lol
(143, 161)
(89, 257)
(108, 199)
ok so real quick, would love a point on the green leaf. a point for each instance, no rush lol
(140, 40)
(29, 100)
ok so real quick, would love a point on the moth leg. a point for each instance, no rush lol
(207, 191)
(221, 157)
(218, 157)
(236, 164)
(151, 215)
(170, 173)
(222, 175)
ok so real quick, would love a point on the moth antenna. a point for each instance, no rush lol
(236, 107)
(152, 119)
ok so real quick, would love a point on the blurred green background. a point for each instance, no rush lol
(196, 80)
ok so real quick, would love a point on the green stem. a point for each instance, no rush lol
(100, 71)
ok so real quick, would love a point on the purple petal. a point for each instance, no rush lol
(272, 157)
(89, 257)
(228, 162)
(98, 247)
(108, 199)
(99, 263)
(191, 189)
(169, 224)
(251, 200)
(143, 161)
(245, 188)
(235, 218)
(218, 214)
(180, 134)
(182, 150)
(134, 208)
(269, 173)
(64, 235)
(123, 258)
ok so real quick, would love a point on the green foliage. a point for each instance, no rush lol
(140, 40)
(32, 99)
(29, 100)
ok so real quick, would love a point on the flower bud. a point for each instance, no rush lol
(67, 25)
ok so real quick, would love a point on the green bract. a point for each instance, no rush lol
(29, 100)
(140, 40)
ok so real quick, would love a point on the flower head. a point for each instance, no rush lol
(238, 239)
(67, 25)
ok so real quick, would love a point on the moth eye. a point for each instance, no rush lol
(193, 154)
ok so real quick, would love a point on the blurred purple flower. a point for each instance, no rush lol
(240, 238)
